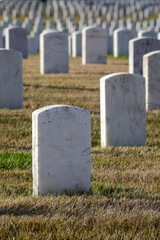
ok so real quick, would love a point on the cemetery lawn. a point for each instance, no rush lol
(125, 199)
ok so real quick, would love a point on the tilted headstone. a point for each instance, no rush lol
(61, 150)
(76, 44)
(123, 112)
(94, 45)
(11, 80)
(121, 41)
(151, 72)
(53, 52)
(137, 48)
(16, 38)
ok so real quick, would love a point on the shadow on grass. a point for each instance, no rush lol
(62, 88)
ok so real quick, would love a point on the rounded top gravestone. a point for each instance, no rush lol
(94, 45)
(53, 52)
(123, 113)
(137, 48)
(11, 80)
(61, 150)
(16, 38)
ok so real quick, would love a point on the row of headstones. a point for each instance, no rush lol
(53, 43)
(36, 17)
(116, 44)
(70, 9)
(11, 79)
(16, 38)
(116, 9)
(61, 134)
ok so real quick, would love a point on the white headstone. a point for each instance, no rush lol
(1, 39)
(147, 33)
(94, 45)
(33, 44)
(123, 113)
(76, 44)
(151, 72)
(137, 48)
(109, 44)
(53, 52)
(61, 150)
(121, 40)
(11, 80)
(70, 45)
(16, 38)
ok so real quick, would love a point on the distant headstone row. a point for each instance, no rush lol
(73, 16)
(69, 16)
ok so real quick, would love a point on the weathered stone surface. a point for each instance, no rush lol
(151, 72)
(1, 39)
(61, 150)
(122, 106)
(137, 48)
(94, 45)
(11, 80)
(121, 41)
(70, 45)
(16, 38)
(109, 44)
(33, 44)
(147, 33)
(54, 52)
(76, 44)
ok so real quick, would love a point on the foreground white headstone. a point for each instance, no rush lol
(16, 38)
(61, 150)
(54, 52)
(123, 113)
(94, 45)
(11, 80)
(151, 72)
(137, 48)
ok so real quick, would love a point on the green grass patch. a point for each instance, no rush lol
(120, 58)
(13, 160)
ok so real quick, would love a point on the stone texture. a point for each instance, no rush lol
(11, 80)
(33, 44)
(16, 38)
(109, 44)
(54, 52)
(137, 48)
(147, 33)
(1, 39)
(76, 44)
(94, 45)
(61, 150)
(151, 72)
(70, 45)
(121, 40)
(122, 107)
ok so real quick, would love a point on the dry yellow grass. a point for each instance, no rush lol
(125, 199)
